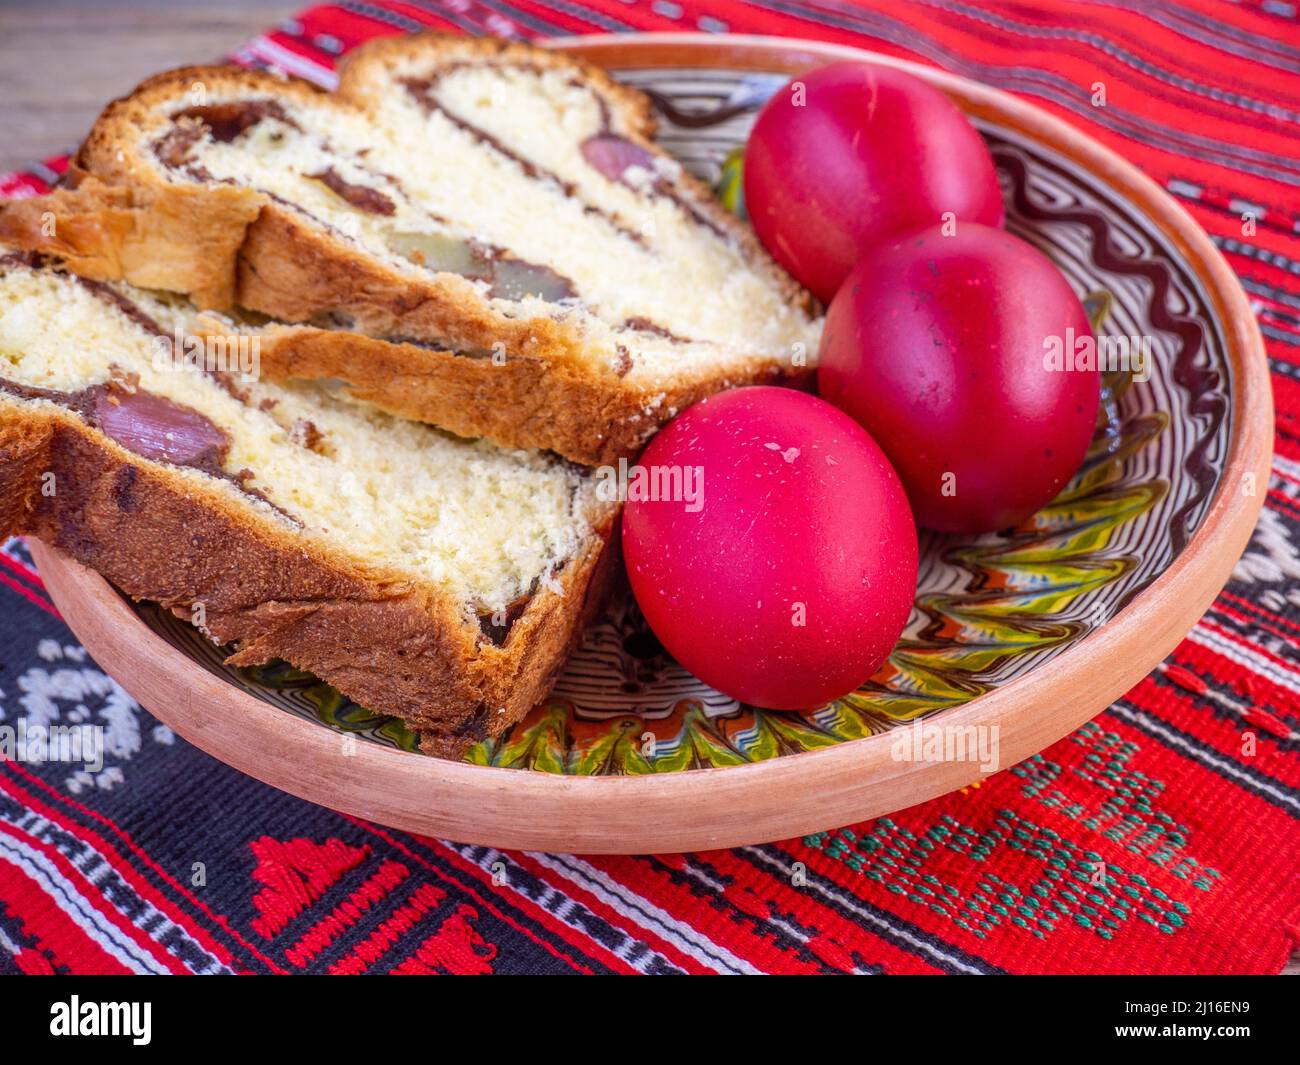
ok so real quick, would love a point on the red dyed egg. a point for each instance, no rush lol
(853, 154)
(783, 568)
(957, 355)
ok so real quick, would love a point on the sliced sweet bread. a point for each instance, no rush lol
(440, 580)
(530, 404)
(496, 211)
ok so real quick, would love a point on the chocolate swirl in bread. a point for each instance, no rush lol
(428, 577)
(453, 196)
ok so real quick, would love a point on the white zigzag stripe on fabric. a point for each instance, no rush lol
(639, 909)
(1288, 468)
(266, 49)
(1216, 639)
(849, 902)
(560, 906)
(64, 894)
(701, 877)
(8, 945)
(99, 873)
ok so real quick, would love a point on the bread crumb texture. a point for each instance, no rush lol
(486, 524)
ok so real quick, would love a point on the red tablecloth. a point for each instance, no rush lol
(168, 861)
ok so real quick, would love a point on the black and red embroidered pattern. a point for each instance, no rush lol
(1185, 795)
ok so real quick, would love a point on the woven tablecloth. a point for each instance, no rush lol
(167, 861)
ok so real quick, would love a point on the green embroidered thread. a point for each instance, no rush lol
(1071, 883)
(1128, 814)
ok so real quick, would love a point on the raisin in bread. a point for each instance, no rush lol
(490, 219)
(440, 580)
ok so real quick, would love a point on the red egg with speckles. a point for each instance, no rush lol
(966, 357)
(853, 154)
(777, 560)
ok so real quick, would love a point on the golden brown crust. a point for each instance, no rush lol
(227, 245)
(294, 272)
(112, 148)
(119, 218)
(520, 402)
(395, 645)
(362, 75)
(155, 235)
(541, 396)
(360, 68)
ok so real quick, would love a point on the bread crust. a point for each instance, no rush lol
(227, 246)
(519, 402)
(396, 645)
(360, 69)
(540, 395)
(361, 76)
(154, 235)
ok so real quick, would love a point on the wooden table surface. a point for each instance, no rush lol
(62, 60)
